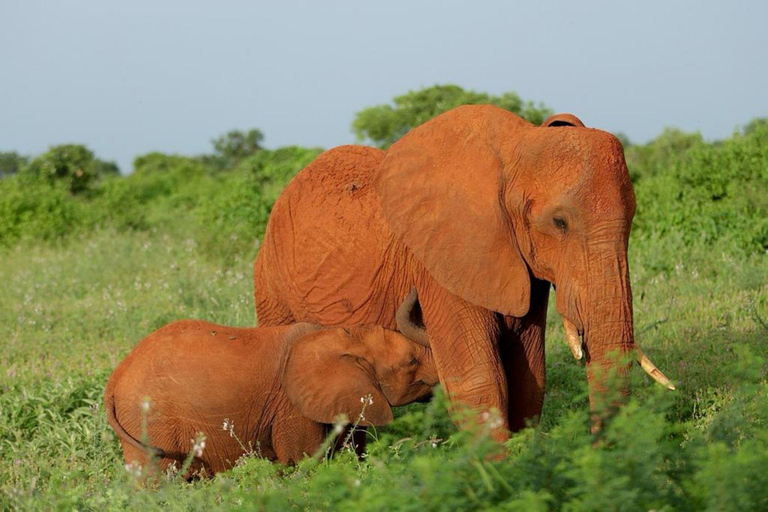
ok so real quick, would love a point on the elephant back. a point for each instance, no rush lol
(327, 251)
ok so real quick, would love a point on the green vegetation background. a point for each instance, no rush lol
(91, 261)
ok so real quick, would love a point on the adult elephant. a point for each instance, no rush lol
(480, 211)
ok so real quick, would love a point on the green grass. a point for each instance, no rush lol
(70, 311)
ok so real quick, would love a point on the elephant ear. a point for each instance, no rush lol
(328, 374)
(563, 120)
(441, 189)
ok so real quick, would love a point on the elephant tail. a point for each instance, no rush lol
(109, 404)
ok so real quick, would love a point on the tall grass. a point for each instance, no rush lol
(70, 311)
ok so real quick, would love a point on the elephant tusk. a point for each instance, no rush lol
(572, 337)
(651, 370)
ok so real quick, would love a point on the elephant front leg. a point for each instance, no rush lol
(521, 345)
(463, 338)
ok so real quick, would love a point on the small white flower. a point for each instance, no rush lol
(145, 405)
(133, 469)
(338, 425)
(198, 445)
(366, 400)
(492, 419)
(225, 425)
(357, 482)
(172, 469)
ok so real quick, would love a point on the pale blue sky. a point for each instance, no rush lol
(126, 78)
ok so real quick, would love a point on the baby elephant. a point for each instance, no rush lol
(273, 390)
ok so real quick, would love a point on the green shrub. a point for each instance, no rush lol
(229, 149)
(72, 165)
(11, 163)
(34, 209)
(708, 192)
(660, 155)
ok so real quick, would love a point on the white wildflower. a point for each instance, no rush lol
(198, 444)
(492, 419)
(172, 470)
(339, 424)
(229, 426)
(133, 469)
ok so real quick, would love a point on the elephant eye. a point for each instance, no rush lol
(560, 223)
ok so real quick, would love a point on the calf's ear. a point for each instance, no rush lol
(328, 374)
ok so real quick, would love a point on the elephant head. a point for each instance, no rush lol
(485, 200)
(360, 373)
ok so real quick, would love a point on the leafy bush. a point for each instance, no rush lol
(72, 165)
(704, 191)
(31, 208)
(661, 154)
(234, 146)
(11, 163)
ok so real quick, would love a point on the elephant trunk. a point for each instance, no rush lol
(608, 347)
(608, 335)
(409, 320)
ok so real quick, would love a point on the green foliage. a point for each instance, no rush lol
(758, 124)
(704, 191)
(225, 212)
(11, 162)
(72, 165)
(32, 208)
(382, 125)
(70, 312)
(236, 145)
(660, 155)
(157, 162)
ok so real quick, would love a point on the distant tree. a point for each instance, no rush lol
(157, 162)
(73, 165)
(660, 154)
(103, 168)
(755, 125)
(11, 162)
(384, 124)
(236, 145)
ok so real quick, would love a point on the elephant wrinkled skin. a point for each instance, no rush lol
(481, 211)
